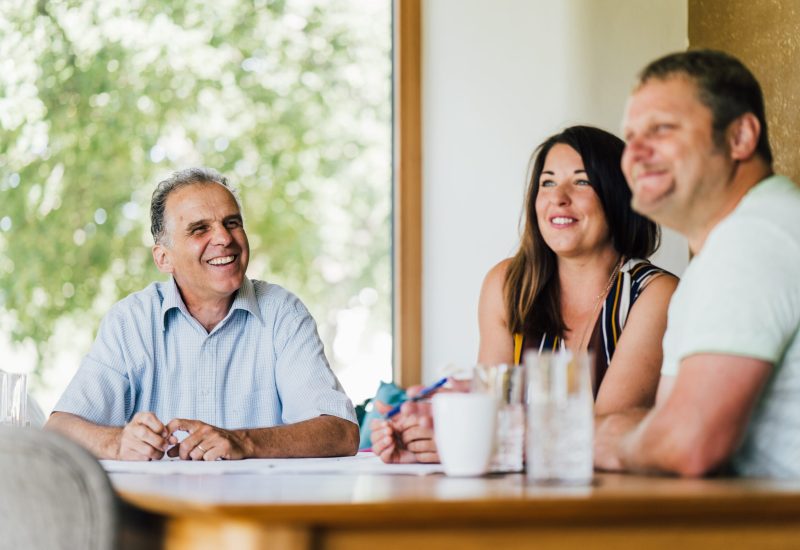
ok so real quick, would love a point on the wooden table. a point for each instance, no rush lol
(383, 512)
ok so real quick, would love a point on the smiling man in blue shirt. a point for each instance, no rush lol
(237, 363)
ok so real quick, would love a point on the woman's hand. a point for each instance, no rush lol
(386, 439)
(408, 436)
(416, 434)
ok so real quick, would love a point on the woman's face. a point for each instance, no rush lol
(570, 216)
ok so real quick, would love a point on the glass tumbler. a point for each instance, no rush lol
(13, 399)
(560, 418)
(506, 384)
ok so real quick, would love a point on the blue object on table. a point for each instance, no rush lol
(388, 393)
(421, 395)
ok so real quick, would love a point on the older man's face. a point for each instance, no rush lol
(206, 249)
(671, 161)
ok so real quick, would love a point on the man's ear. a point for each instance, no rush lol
(743, 134)
(161, 258)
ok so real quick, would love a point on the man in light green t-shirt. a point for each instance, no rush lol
(698, 160)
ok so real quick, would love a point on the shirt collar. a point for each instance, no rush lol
(245, 299)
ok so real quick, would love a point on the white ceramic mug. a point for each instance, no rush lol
(464, 431)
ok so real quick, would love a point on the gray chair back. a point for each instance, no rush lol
(53, 494)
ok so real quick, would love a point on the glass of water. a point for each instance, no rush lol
(560, 418)
(506, 384)
(13, 398)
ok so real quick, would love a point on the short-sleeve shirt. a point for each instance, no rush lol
(263, 365)
(741, 296)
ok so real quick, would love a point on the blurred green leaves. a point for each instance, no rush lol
(100, 99)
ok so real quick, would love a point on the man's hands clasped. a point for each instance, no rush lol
(207, 442)
(145, 437)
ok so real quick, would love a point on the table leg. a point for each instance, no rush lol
(221, 533)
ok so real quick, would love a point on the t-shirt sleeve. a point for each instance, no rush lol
(743, 298)
(307, 386)
(100, 389)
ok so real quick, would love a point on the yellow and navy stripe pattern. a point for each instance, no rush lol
(633, 278)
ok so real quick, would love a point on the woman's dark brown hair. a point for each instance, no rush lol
(531, 290)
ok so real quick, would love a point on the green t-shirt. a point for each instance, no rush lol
(741, 296)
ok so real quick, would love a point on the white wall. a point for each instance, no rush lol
(499, 76)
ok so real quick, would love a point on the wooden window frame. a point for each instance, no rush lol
(407, 192)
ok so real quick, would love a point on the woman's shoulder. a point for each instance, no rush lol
(495, 278)
(499, 270)
(492, 290)
(643, 271)
(645, 275)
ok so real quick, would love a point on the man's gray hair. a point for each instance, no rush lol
(181, 178)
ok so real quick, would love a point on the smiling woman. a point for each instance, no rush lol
(580, 275)
(568, 211)
(580, 280)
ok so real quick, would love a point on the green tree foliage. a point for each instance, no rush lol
(103, 98)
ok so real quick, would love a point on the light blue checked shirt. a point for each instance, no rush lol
(263, 365)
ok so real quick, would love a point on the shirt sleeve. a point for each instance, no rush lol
(100, 389)
(307, 387)
(744, 299)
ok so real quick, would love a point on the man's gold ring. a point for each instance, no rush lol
(202, 449)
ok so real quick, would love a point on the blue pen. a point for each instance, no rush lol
(421, 395)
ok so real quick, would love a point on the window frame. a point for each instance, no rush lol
(407, 192)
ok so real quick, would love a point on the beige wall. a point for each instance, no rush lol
(764, 35)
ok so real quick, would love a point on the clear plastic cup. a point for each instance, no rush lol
(13, 398)
(506, 384)
(560, 418)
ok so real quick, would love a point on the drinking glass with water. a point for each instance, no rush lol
(560, 417)
(506, 384)
(13, 398)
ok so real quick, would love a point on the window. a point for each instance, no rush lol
(290, 99)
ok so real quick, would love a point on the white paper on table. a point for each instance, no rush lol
(362, 463)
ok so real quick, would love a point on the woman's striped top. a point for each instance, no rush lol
(632, 279)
